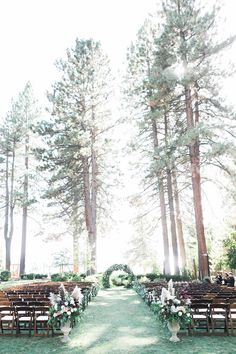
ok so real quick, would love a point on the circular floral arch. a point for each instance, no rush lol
(107, 273)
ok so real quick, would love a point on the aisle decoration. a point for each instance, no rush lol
(65, 309)
(173, 312)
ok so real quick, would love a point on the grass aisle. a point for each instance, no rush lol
(117, 321)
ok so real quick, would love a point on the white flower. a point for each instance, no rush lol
(174, 309)
(164, 295)
(177, 301)
(77, 295)
(180, 313)
(182, 308)
(66, 303)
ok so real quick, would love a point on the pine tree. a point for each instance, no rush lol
(76, 140)
(141, 58)
(27, 110)
(11, 132)
(189, 28)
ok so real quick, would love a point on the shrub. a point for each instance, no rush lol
(5, 275)
(30, 276)
(139, 276)
(58, 277)
(40, 276)
(23, 276)
(152, 276)
(75, 277)
(117, 280)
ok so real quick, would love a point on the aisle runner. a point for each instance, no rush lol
(116, 321)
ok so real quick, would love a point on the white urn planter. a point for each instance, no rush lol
(174, 328)
(66, 328)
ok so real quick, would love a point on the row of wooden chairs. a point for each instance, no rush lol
(213, 318)
(25, 320)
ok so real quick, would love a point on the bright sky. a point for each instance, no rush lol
(35, 33)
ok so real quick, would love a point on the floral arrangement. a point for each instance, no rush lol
(64, 306)
(170, 309)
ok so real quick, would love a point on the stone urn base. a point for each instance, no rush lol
(65, 328)
(173, 327)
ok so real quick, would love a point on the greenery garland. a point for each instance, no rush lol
(114, 267)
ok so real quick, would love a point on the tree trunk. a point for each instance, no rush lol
(6, 222)
(12, 202)
(179, 224)
(89, 218)
(75, 251)
(94, 188)
(75, 226)
(166, 265)
(172, 223)
(9, 207)
(171, 204)
(25, 207)
(196, 186)
(195, 168)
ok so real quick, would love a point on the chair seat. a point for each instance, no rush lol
(24, 318)
(42, 318)
(218, 316)
(195, 316)
(7, 318)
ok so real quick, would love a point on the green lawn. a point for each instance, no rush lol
(117, 321)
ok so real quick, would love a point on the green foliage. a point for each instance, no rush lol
(67, 276)
(59, 277)
(115, 267)
(186, 276)
(230, 246)
(40, 276)
(5, 275)
(32, 276)
(152, 276)
(121, 280)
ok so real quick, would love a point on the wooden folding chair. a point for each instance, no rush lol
(41, 326)
(219, 318)
(200, 318)
(7, 320)
(24, 320)
(232, 318)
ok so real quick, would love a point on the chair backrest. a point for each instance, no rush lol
(232, 306)
(41, 310)
(24, 311)
(222, 308)
(6, 309)
(199, 307)
(220, 300)
(201, 301)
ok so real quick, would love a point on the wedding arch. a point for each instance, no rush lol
(114, 267)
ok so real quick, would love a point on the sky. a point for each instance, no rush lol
(35, 33)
